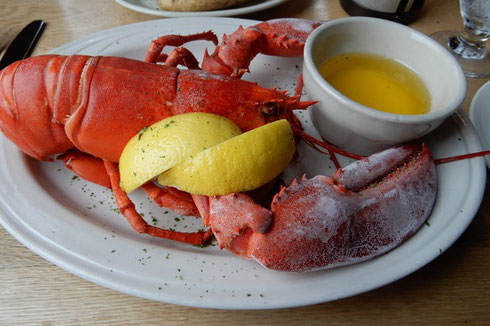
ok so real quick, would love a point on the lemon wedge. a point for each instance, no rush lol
(239, 164)
(169, 142)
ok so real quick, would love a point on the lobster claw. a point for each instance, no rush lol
(326, 222)
(248, 218)
(283, 37)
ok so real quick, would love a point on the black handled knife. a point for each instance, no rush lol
(23, 44)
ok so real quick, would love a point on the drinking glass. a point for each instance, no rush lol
(468, 45)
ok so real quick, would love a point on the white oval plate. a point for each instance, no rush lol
(74, 224)
(151, 7)
(480, 116)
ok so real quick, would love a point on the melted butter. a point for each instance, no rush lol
(377, 82)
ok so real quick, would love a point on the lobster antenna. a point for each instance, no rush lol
(460, 157)
(325, 144)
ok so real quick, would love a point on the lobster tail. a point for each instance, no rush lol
(30, 95)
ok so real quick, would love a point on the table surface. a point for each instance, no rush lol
(454, 289)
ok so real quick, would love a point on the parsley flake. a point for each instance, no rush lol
(141, 132)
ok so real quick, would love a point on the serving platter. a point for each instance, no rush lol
(151, 7)
(76, 225)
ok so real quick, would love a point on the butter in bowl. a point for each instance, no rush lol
(378, 83)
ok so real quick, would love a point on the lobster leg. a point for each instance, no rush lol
(92, 169)
(202, 204)
(86, 167)
(179, 201)
(126, 206)
(156, 46)
(183, 57)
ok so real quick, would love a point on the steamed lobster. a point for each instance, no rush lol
(87, 108)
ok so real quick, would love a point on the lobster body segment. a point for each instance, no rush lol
(319, 223)
(76, 96)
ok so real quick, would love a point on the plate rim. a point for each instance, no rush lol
(94, 37)
(475, 107)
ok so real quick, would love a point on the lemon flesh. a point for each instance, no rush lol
(168, 142)
(239, 164)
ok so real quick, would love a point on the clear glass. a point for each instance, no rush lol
(469, 45)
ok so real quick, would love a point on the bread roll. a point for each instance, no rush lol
(197, 5)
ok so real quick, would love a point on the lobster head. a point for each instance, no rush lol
(245, 103)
